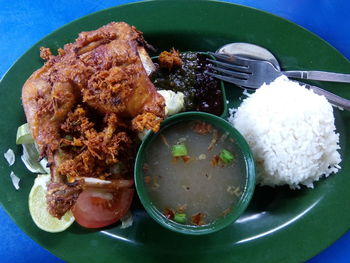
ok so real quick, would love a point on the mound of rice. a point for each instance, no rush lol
(291, 132)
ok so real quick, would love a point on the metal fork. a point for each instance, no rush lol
(252, 73)
(256, 72)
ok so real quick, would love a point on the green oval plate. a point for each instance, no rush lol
(279, 226)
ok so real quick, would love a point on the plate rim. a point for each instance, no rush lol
(7, 72)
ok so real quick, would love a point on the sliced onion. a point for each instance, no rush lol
(30, 158)
(127, 220)
(15, 180)
(94, 181)
(10, 156)
(43, 164)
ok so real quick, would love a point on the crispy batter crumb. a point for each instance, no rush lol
(147, 121)
(170, 60)
(45, 53)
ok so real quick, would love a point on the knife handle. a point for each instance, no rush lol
(318, 75)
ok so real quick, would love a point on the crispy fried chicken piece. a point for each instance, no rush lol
(102, 73)
(103, 69)
(61, 197)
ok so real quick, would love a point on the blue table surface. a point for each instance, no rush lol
(24, 22)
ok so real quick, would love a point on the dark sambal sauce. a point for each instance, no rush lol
(202, 92)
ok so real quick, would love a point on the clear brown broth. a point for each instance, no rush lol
(198, 185)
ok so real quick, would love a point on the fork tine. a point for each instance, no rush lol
(228, 65)
(232, 73)
(222, 56)
(246, 61)
(239, 82)
(234, 59)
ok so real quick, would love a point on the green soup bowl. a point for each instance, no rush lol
(234, 212)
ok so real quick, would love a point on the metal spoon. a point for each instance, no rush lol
(249, 50)
(258, 52)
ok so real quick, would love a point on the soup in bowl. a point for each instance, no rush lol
(196, 175)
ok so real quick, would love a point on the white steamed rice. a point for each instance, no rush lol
(291, 132)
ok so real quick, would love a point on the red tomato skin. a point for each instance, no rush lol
(95, 212)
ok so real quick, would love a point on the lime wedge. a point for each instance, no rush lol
(23, 135)
(38, 208)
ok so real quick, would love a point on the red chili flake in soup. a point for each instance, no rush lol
(202, 127)
(215, 161)
(198, 219)
(186, 158)
(169, 213)
(147, 179)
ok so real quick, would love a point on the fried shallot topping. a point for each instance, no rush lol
(93, 151)
(170, 60)
(146, 121)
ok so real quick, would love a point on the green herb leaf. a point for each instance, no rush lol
(226, 156)
(68, 137)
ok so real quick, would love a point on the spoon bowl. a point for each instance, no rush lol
(249, 50)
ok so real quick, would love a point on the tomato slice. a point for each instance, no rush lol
(98, 208)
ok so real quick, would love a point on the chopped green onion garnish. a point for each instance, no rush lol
(23, 135)
(180, 218)
(226, 156)
(179, 150)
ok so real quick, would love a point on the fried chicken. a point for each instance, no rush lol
(84, 105)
